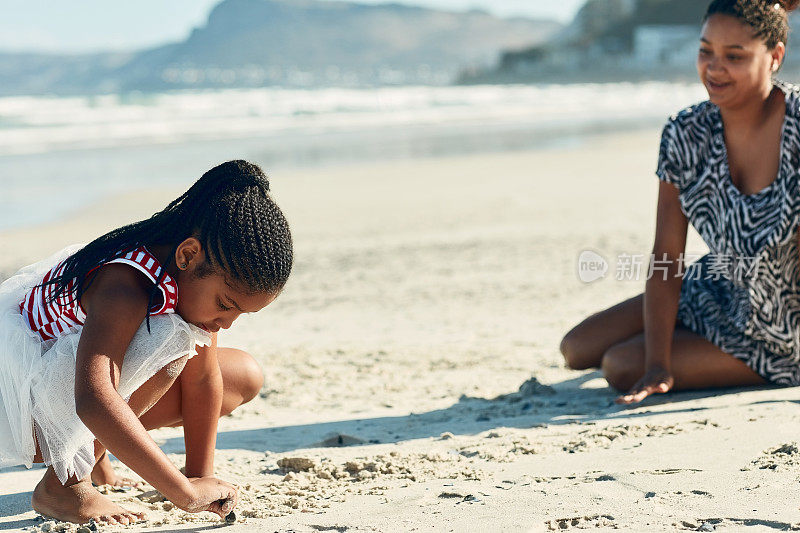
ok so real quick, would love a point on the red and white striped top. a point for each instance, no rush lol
(51, 319)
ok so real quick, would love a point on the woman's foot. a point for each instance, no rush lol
(104, 474)
(77, 503)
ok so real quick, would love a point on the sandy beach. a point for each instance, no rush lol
(414, 381)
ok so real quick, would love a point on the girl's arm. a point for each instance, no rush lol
(115, 304)
(201, 403)
(662, 296)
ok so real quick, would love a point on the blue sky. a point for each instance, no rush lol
(90, 25)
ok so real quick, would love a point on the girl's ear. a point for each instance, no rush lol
(189, 253)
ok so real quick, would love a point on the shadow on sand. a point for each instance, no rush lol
(532, 405)
(16, 504)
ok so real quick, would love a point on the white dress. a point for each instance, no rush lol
(37, 378)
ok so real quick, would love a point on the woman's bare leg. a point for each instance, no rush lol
(696, 364)
(583, 347)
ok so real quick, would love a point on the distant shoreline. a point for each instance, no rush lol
(168, 166)
(85, 217)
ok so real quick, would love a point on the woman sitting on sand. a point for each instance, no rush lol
(729, 166)
(100, 343)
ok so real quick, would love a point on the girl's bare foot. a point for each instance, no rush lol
(78, 502)
(104, 474)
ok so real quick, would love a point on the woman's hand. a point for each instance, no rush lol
(656, 380)
(210, 494)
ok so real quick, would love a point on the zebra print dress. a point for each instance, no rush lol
(752, 313)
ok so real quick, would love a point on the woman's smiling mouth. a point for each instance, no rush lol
(717, 86)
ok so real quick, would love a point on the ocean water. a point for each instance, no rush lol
(58, 154)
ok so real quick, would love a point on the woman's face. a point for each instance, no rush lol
(734, 65)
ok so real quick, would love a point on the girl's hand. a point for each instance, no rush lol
(210, 494)
(656, 380)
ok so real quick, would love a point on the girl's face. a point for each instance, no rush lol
(734, 66)
(212, 301)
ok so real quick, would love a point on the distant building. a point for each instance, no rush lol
(673, 46)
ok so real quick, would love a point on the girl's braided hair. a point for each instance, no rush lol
(229, 210)
(769, 18)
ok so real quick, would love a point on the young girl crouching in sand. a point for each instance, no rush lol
(101, 343)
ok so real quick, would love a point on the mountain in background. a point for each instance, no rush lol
(614, 40)
(612, 24)
(251, 43)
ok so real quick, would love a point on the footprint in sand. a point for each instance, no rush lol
(603, 437)
(724, 524)
(581, 522)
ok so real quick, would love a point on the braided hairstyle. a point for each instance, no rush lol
(769, 18)
(229, 210)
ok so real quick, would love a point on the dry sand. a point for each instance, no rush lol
(413, 375)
